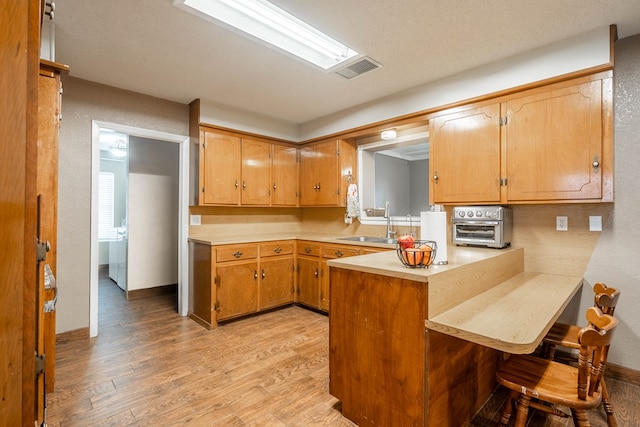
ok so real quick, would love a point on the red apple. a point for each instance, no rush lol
(406, 241)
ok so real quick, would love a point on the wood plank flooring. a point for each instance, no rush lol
(149, 366)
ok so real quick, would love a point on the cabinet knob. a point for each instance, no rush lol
(595, 164)
(435, 177)
(236, 184)
(255, 274)
(274, 186)
(263, 275)
(316, 272)
(244, 185)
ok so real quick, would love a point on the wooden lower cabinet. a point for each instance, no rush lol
(235, 280)
(236, 289)
(378, 341)
(308, 274)
(332, 252)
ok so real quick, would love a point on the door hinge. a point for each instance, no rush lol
(41, 250)
(216, 306)
(216, 280)
(40, 365)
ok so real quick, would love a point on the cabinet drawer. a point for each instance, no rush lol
(335, 251)
(282, 247)
(236, 252)
(309, 248)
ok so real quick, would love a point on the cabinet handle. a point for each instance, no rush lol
(255, 274)
(338, 254)
(277, 250)
(316, 272)
(263, 275)
(274, 186)
(435, 177)
(595, 164)
(307, 250)
(236, 184)
(237, 254)
(244, 185)
(318, 186)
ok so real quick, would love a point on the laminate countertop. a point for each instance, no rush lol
(482, 295)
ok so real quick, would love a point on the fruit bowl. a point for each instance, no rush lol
(417, 253)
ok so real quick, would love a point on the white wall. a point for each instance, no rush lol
(615, 259)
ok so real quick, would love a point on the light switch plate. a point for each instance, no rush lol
(195, 220)
(595, 223)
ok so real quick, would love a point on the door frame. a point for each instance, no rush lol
(183, 212)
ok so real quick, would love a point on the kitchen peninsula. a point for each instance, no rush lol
(421, 346)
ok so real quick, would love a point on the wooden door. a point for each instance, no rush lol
(276, 281)
(237, 289)
(309, 281)
(256, 172)
(20, 389)
(220, 165)
(284, 175)
(319, 185)
(331, 252)
(465, 156)
(553, 140)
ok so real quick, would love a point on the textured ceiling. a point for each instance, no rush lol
(155, 48)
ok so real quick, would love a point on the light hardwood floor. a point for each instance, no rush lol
(150, 366)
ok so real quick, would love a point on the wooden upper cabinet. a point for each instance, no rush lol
(220, 168)
(284, 175)
(465, 156)
(550, 144)
(326, 169)
(256, 172)
(554, 139)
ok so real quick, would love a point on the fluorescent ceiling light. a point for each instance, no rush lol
(273, 25)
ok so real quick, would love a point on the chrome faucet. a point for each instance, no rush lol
(410, 218)
(387, 215)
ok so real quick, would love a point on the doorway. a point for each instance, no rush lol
(182, 211)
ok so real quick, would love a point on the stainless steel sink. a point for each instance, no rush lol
(389, 241)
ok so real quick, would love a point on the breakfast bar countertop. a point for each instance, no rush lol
(483, 295)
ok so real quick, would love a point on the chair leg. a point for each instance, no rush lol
(580, 418)
(522, 410)
(606, 404)
(507, 409)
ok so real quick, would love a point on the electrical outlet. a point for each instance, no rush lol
(562, 223)
(195, 220)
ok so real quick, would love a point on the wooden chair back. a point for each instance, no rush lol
(605, 297)
(594, 340)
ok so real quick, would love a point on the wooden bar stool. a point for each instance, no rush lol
(564, 335)
(542, 384)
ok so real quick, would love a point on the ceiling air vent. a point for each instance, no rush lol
(355, 69)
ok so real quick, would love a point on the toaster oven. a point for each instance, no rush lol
(488, 226)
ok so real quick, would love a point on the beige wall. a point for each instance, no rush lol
(83, 102)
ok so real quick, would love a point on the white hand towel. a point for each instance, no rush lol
(353, 206)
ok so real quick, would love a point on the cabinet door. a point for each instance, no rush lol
(465, 156)
(256, 172)
(553, 140)
(319, 174)
(331, 252)
(237, 292)
(276, 281)
(309, 281)
(220, 162)
(284, 171)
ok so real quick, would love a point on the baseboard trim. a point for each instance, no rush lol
(152, 292)
(623, 374)
(75, 335)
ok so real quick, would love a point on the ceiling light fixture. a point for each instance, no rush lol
(274, 26)
(119, 148)
(388, 134)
